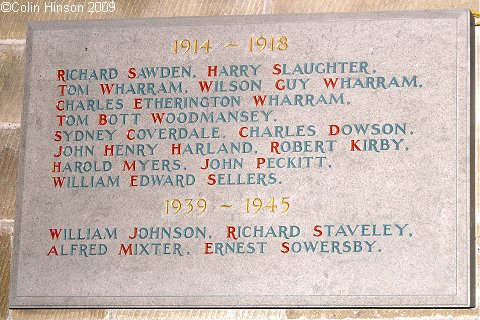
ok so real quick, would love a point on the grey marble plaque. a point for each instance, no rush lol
(267, 161)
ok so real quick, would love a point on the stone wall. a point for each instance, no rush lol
(12, 46)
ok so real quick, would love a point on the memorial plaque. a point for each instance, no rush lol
(277, 161)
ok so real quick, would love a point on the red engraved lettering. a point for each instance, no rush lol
(138, 104)
(53, 250)
(274, 147)
(241, 134)
(129, 137)
(277, 69)
(211, 179)
(176, 148)
(58, 181)
(59, 153)
(60, 119)
(102, 119)
(55, 233)
(212, 70)
(106, 87)
(285, 247)
(260, 161)
(129, 166)
(133, 181)
(56, 167)
(61, 75)
(259, 100)
(59, 103)
(354, 146)
(108, 149)
(205, 86)
(231, 232)
(62, 89)
(317, 231)
(280, 84)
(157, 118)
(132, 73)
(334, 129)
(329, 82)
(208, 248)
(125, 250)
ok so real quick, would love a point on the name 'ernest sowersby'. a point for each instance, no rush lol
(348, 239)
